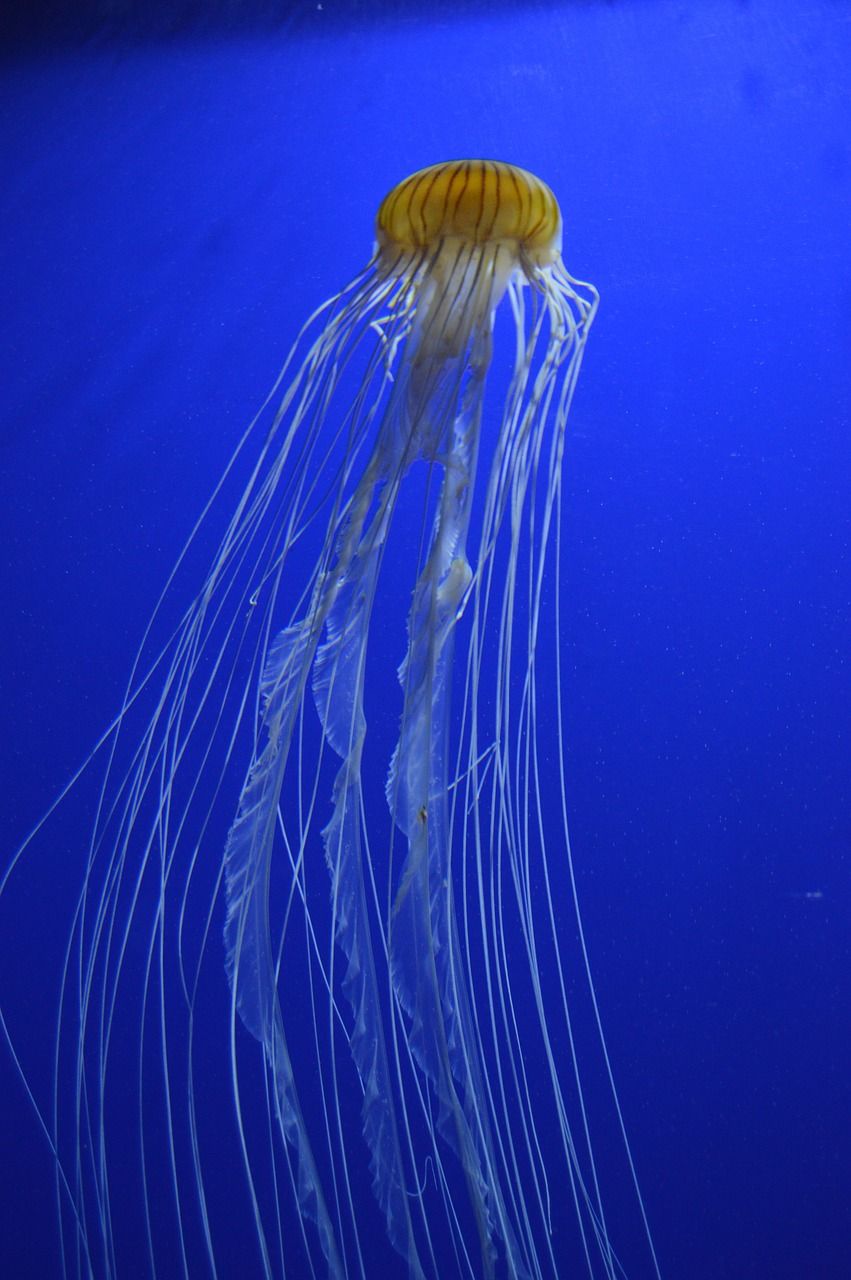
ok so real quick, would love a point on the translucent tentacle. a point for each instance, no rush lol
(340, 600)
(427, 972)
(248, 949)
(338, 689)
(248, 944)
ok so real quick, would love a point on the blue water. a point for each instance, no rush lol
(173, 208)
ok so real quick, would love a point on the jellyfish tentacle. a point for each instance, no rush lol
(426, 966)
(249, 960)
(338, 680)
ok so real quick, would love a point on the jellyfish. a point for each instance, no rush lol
(298, 968)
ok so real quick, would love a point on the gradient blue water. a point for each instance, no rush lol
(171, 212)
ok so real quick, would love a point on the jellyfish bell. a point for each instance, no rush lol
(390, 966)
(461, 230)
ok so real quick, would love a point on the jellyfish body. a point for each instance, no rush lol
(416, 1017)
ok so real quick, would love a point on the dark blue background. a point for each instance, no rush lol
(174, 205)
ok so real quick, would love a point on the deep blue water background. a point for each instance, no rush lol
(173, 207)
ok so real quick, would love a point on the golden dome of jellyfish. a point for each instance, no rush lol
(375, 1025)
(474, 201)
